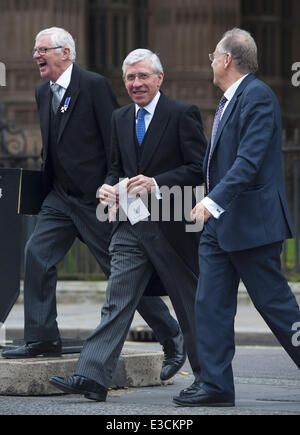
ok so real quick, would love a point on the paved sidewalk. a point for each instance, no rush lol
(267, 381)
(85, 316)
(80, 302)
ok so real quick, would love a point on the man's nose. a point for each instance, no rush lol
(137, 81)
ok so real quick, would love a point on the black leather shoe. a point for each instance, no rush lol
(80, 385)
(32, 350)
(175, 356)
(202, 398)
(193, 388)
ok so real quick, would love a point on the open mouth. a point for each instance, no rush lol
(42, 65)
(139, 93)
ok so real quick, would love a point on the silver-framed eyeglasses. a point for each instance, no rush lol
(212, 56)
(43, 50)
(141, 76)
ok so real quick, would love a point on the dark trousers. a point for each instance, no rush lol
(216, 304)
(135, 252)
(60, 221)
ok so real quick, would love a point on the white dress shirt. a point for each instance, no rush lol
(208, 203)
(150, 110)
(63, 81)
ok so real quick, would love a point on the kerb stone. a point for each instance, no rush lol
(30, 377)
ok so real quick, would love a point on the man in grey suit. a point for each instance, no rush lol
(75, 108)
(156, 142)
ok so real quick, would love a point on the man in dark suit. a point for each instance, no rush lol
(75, 110)
(247, 219)
(156, 142)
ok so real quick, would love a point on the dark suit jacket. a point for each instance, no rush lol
(246, 176)
(173, 152)
(85, 130)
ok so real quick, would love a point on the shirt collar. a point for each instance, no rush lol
(232, 89)
(65, 78)
(151, 106)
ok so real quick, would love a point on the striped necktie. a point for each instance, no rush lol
(217, 120)
(55, 97)
(140, 125)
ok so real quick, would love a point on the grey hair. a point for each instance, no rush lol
(243, 49)
(60, 37)
(141, 54)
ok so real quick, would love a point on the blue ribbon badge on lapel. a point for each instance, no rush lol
(66, 105)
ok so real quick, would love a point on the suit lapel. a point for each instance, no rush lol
(230, 108)
(224, 120)
(155, 131)
(44, 112)
(126, 127)
(72, 92)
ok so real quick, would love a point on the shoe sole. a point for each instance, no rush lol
(206, 405)
(95, 396)
(92, 396)
(42, 355)
(177, 370)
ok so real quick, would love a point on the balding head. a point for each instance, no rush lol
(242, 47)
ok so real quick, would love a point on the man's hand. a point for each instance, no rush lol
(200, 213)
(108, 195)
(140, 185)
(112, 213)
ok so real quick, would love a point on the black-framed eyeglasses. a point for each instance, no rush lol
(141, 76)
(43, 50)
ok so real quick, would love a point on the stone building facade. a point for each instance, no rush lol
(182, 32)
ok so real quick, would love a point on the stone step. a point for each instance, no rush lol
(30, 377)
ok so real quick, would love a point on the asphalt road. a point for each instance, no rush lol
(267, 383)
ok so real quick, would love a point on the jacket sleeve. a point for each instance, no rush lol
(38, 108)
(193, 147)
(105, 103)
(115, 171)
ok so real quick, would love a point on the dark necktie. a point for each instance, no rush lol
(55, 98)
(140, 125)
(217, 120)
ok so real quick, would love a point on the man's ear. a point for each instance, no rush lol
(160, 79)
(228, 60)
(66, 52)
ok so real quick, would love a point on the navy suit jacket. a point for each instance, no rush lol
(246, 175)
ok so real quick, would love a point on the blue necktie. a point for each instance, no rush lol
(140, 125)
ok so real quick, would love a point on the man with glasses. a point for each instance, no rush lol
(156, 141)
(247, 219)
(75, 108)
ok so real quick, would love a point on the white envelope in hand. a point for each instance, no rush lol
(133, 207)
